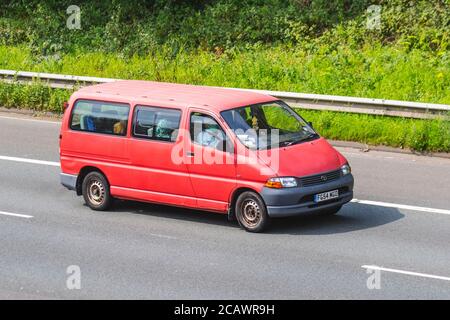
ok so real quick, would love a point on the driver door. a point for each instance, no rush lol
(210, 161)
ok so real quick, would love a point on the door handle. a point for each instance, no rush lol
(189, 154)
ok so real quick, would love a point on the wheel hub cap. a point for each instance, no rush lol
(96, 192)
(251, 212)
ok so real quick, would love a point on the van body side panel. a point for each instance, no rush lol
(97, 147)
(153, 170)
(154, 197)
(109, 153)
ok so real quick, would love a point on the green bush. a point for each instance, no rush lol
(373, 71)
(416, 134)
(36, 96)
(137, 27)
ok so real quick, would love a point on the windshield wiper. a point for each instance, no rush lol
(288, 143)
(310, 136)
(292, 142)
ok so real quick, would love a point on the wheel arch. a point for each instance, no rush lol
(234, 196)
(83, 173)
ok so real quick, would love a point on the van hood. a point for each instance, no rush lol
(303, 159)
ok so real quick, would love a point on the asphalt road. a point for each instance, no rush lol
(147, 251)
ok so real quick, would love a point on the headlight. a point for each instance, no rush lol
(284, 182)
(345, 169)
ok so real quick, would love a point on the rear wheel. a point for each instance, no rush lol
(95, 190)
(251, 212)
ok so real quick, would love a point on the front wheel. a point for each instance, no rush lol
(251, 212)
(96, 193)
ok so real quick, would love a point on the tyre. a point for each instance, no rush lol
(331, 211)
(95, 190)
(251, 212)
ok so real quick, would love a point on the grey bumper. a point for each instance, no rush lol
(296, 201)
(69, 181)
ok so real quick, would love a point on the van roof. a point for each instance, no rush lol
(152, 92)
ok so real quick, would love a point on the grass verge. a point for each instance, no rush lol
(373, 71)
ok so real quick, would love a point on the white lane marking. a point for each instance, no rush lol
(15, 215)
(163, 236)
(33, 120)
(410, 273)
(401, 206)
(26, 160)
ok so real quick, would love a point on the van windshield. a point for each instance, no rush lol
(268, 125)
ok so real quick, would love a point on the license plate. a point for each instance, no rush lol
(326, 196)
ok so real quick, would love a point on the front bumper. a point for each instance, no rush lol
(299, 200)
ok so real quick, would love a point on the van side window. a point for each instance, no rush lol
(156, 123)
(206, 132)
(100, 117)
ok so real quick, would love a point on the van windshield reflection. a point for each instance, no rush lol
(268, 125)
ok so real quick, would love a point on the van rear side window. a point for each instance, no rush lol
(156, 123)
(100, 117)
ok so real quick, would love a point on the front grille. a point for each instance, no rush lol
(320, 178)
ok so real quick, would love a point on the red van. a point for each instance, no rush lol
(240, 153)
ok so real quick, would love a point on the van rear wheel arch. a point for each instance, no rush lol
(96, 191)
(83, 173)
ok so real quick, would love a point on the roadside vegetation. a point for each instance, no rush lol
(415, 134)
(312, 46)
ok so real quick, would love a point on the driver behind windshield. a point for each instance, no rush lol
(268, 125)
